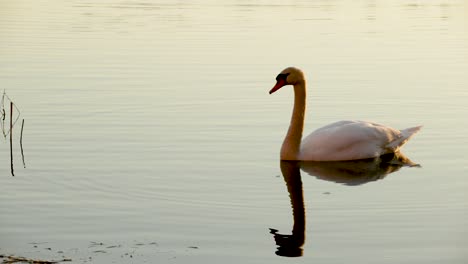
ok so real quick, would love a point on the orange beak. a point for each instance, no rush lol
(280, 83)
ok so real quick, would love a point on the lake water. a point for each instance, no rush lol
(150, 137)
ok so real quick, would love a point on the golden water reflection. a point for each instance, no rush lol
(351, 173)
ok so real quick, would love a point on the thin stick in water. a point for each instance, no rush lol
(11, 138)
(21, 143)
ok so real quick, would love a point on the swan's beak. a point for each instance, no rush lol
(278, 85)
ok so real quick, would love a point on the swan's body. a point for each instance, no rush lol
(351, 140)
(343, 140)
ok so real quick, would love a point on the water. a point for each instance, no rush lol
(150, 136)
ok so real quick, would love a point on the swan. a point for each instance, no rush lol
(342, 140)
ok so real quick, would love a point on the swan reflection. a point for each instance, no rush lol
(354, 172)
(291, 245)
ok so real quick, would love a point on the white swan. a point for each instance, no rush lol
(343, 140)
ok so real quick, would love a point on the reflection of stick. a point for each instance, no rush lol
(11, 138)
(21, 143)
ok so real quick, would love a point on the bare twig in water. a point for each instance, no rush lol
(3, 113)
(11, 138)
(2, 106)
(14, 259)
(14, 117)
(21, 144)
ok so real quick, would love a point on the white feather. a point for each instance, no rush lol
(351, 140)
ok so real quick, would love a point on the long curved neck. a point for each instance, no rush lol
(292, 142)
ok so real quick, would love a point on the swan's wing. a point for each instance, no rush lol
(404, 136)
(350, 140)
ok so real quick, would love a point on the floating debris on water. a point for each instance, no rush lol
(17, 259)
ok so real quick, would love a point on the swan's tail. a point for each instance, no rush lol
(405, 135)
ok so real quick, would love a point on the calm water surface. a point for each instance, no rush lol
(150, 136)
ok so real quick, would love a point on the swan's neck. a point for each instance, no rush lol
(292, 141)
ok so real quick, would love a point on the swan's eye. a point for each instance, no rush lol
(282, 76)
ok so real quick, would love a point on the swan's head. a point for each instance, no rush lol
(289, 76)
